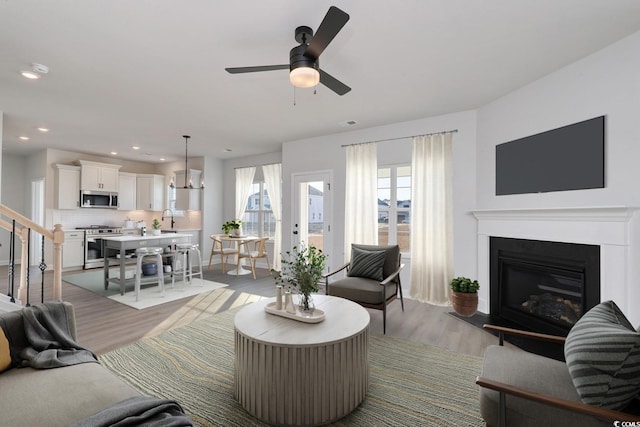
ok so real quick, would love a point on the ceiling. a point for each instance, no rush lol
(145, 72)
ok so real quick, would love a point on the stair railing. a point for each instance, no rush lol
(23, 230)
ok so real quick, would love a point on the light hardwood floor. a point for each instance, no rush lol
(104, 325)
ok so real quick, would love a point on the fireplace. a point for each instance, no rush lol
(540, 285)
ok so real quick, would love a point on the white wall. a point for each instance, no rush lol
(15, 189)
(605, 83)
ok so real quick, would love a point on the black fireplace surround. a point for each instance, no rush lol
(542, 286)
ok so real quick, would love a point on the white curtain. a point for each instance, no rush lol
(431, 219)
(361, 196)
(244, 179)
(273, 180)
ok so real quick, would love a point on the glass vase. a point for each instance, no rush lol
(305, 305)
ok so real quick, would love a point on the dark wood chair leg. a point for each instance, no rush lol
(384, 319)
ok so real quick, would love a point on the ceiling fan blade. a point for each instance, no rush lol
(332, 83)
(238, 70)
(332, 23)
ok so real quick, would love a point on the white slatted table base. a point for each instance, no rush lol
(314, 382)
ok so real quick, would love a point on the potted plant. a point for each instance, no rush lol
(464, 295)
(156, 227)
(232, 227)
(302, 269)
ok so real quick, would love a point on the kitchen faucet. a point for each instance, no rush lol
(171, 212)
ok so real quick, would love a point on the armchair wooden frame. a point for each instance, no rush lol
(503, 389)
(385, 301)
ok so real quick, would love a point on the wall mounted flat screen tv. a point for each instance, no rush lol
(567, 158)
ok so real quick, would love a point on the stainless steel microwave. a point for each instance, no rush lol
(98, 199)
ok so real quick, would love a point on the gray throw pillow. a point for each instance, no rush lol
(367, 264)
(602, 351)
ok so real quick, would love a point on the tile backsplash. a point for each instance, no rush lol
(73, 218)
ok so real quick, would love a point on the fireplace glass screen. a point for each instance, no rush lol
(552, 294)
(542, 286)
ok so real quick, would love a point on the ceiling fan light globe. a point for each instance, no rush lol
(304, 77)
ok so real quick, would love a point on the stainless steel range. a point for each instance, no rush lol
(93, 252)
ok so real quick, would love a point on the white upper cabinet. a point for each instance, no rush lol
(150, 192)
(127, 192)
(188, 199)
(67, 187)
(98, 176)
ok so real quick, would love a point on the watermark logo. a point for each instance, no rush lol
(626, 424)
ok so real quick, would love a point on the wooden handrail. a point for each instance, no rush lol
(23, 224)
(21, 219)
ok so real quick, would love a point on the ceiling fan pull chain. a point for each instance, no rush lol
(294, 96)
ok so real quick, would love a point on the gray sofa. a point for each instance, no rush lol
(55, 397)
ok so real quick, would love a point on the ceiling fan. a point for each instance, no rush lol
(304, 68)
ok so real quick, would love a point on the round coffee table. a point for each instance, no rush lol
(288, 372)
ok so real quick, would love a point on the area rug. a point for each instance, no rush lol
(150, 295)
(411, 384)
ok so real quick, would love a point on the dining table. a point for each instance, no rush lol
(239, 241)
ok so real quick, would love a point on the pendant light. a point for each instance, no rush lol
(188, 183)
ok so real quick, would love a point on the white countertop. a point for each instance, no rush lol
(147, 237)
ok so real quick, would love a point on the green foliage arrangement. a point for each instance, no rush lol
(302, 268)
(156, 224)
(464, 285)
(229, 226)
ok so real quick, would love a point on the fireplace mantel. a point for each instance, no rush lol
(604, 214)
(609, 227)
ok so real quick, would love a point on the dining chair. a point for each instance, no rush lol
(254, 249)
(218, 248)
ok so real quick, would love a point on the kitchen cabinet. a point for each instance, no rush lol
(67, 187)
(150, 191)
(127, 191)
(98, 176)
(188, 199)
(73, 249)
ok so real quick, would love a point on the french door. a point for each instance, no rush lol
(312, 210)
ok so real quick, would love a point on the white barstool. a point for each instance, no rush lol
(144, 252)
(183, 261)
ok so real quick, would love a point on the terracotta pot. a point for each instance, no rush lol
(465, 304)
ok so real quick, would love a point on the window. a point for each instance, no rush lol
(394, 206)
(258, 218)
(171, 197)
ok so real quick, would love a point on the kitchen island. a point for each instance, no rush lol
(115, 249)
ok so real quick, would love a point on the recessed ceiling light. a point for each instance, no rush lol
(24, 138)
(135, 147)
(114, 153)
(162, 159)
(43, 129)
(227, 150)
